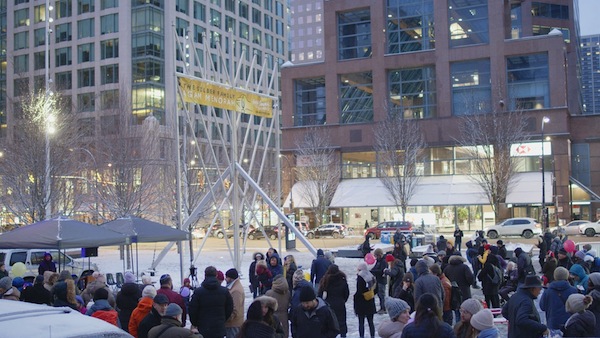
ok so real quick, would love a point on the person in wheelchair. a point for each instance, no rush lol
(510, 281)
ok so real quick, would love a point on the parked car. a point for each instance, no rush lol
(271, 232)
(375, 232)
(32, 258)
(571, 228)
(520, 226)
(334, 230)
(590, 229)
(220, 233)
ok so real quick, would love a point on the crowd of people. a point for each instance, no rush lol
(426, 297)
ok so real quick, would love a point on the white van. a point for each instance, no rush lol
(32, 258)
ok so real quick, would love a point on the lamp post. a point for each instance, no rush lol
(47, 110)
(545, 224)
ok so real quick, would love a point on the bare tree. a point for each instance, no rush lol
(399, 143)
(487, 139)
(318, 171)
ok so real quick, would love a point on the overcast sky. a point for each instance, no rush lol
(588, 17)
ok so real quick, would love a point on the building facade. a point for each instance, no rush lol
(590, 73)
(435, 62)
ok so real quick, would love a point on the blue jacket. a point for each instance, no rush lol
(553, 300)
(318, 268)
(582, 283)
(489, 333)
(277, 269)
(523, 318)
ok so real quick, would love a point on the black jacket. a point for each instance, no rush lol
(318, 323)
(37, 294)
(210, 307)
(337, 295)
(458, 272)
(377, 271)
(361, 305)
(256, 329)
(126, 301)
(151, 320)
(580, 325)
(522, 315)
(486, 274)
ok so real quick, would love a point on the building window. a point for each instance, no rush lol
(356, 98)
(354, 34)
(22, 17)
(215, 18)
(147, 19)
(409, 26)
(109, 99)
(148, 96)
(230, 5)
(471, 88)
(39, 13)
(244, 31)
(109, 23)
(147, 44)
(199, 11)
(516, 24)
(243, 13)
(109, 49)
(199, 33)
(63, 81)
(39, 60)
(545, 30)
(109, 74)
(85, 77)
(85, 6)
(256, 16)
(182, 27)
(182, 6)
(412, 92)
(21, 64)
(63, 32)
(580, 163)
(86, 102)
(468, 22)
(85, 53)
(85, 28)
(553, 11)
(105, 4)
(528, 85)
(309, 102)
(63, 56)
(39, 37)
(64, 9)
(268, 22)
(148, 71)
(21, 40)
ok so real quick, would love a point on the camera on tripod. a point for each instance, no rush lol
(193, 270)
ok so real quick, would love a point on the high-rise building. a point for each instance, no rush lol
(306, 31)
(590, 73)
(436, 62)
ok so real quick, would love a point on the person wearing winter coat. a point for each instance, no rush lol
(447, 314)
(166, 288)
(141, 310)
(64, 294)
(563, 259)
(318, 267)
(594, 292)
(365, 247)
(236, 290)
(211, 306)
(264, 277)
(524, 265)
(428, 320)
(269, 307)
(281, 294)
(255, 326)
(47, 264)
(489, 288)
(335, 291)
(463, 327)
(152, 319)
(127, 299)
(274, 265)
(512, 280)
(289, 267)
(98, 282)
(458, 235)
(441, 244)
(313, 318)
(377, 271)
(37, 293)
(298, 282)
(171, 323)
(548, 268)
(457, 271)
(364, 309)
(582, 322)
(253, 278)
(395, 272)
(579, 277)
(483, 323)
(399, 313)
(427, 283)
(102, 310)
(554, 298)
(521, 313)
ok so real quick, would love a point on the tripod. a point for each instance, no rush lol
(193, 277)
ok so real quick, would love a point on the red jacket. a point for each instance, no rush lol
(144, 307)
(176, 298)
(109, 316)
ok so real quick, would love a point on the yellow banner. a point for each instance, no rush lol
(210, 94)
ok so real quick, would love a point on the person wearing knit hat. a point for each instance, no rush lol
(172, 321)
(399, 313)
(220, 276)
(98, 282)
(129, 277)
(582, 322)
(483, 323)
(468, 308)
(102, 310)
(313, 317)
(235, 321)
(127, 298)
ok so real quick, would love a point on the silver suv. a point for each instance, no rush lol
(520, 226)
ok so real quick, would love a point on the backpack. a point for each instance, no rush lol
(456, 297)
(496, 278)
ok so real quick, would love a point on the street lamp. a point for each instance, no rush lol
(47, 110)
(545, 224)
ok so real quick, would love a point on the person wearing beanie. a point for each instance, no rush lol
(236, 290)
(524, 265)
(463, 326)
(553, 300)
(37, 293)
(335, 290)
(582, 322)
(146, 280)
(298, 281)
(102, 310)
(563, 259)
(281, 293)
(521, 313)
(166, 288)
(152, 319)
(428, 320)
(313, 317)
(378, 271)
(64, 275)
(318, 268)
(211, 306)
(5, 284)
(127, 299)
(406, 290)
(141, 310)
(98, 282)
(483, 323)
(594, 292)
(220, 277)
(399, 313)
(171, 325)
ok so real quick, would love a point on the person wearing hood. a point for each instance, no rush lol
(236, 290)
(127, 299)
(457, 271)
(211, 306)
(64, 294)
(427, 283)
(524, 265)
(335, 291)
(553, 300)
(255, 326)
(582, 322)
(37, 293)
(172, 322)
(313, 317)
(483, 323)
(548, 268)
(319, 267)
(399, 313)
(46, 264)
(563, 259)
(274, 265)
(580, 278)
(141, 310)
(364, 308)
(281, 294)
(594, 292)
(253, 278)
(269, 306)
(102, 310)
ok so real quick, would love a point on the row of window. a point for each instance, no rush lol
(64, 9)
(412, 92)
(85, 78)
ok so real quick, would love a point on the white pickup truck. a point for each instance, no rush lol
(32, 258)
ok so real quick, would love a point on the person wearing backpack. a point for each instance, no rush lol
(490, 277)
(554, 298)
